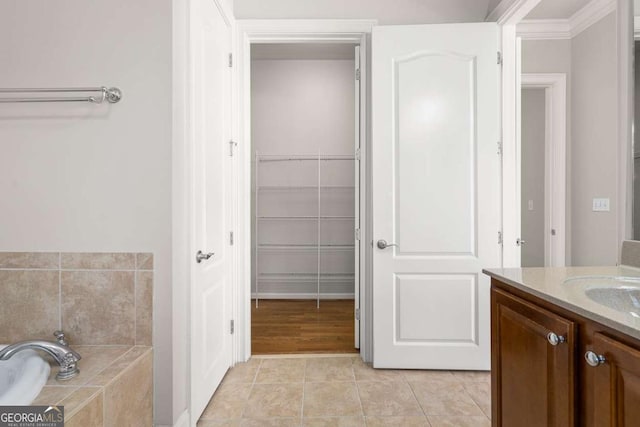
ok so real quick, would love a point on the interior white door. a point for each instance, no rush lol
(436, 193)
(211, 301)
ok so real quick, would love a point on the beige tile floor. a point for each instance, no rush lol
(345, 392)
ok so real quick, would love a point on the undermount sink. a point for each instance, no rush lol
(619, 293)
(22, 377)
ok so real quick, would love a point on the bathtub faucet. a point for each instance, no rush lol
(60, 351)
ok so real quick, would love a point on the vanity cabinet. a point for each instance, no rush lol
(553, 367)
(533, 356)
(616, 382)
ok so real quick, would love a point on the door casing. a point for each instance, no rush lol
(290, 31)
(555, 176)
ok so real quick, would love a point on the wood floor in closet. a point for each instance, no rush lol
(297, 326)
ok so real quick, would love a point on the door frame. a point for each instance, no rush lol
(291, 31)
(508, 14)
(555, 159)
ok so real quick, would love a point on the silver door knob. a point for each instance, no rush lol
(520, 241)
(554, 339)
(594, 359)
(200, 256)
(382, 244)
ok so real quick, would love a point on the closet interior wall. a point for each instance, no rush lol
(303, 127)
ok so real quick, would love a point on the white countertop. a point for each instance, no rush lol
(549, 285)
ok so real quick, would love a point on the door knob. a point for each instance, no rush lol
(200, 256)
(382, 244)
(594, 359)
(520, 241)
(554, 339)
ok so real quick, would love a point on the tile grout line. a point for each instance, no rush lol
(253, 383)
(60, 291)
(355, 383)
(304, 383)
(135, 302)
(413, 392)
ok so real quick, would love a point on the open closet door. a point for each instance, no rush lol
(211, 257)
(436, 193)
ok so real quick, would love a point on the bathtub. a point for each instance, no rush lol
(22, 377)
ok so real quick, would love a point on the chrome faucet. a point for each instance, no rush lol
(60, 351)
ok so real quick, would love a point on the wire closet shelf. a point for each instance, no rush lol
(316, 247)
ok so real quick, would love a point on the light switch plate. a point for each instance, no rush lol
(601, 205)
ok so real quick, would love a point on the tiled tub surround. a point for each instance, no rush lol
(104, 304)
(95, 298)
(114, 388)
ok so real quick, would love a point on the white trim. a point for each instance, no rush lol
(509, 108)
(181, 267)
(636, 27)
(285, 31)
(626, 45)
(183, 420)
(509, 12)
(545, 29)
(562, 29)
(555, 86)
(305, 296)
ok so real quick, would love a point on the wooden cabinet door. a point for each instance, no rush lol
(533, 381)
(616, 383)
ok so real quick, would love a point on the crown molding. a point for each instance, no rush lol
(511, 11)
(563, 29)
(544, 29)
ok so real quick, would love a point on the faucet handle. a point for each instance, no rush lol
(60, 337)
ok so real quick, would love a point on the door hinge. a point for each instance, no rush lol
(231, 60)
(358, 74)
(499, 237)
(232, 144)
(499, 148)
(358, 154)
(231, 238)
(357, 234)
(499, 58)
(233, 327)
(357, 314)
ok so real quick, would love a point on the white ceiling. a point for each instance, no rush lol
(303, 51)
(556, 9)
(385, 11)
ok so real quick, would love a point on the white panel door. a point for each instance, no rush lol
(211, 182)
(436, 193)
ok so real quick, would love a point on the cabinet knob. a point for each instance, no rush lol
(554, 339)
(594, 359)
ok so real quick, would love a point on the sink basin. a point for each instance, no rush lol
(22, 377)
(619, 293)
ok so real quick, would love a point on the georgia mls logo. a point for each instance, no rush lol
(31, 416)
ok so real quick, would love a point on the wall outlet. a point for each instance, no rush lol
(601, 205)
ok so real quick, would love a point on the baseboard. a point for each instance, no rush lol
(269, 295)
(183, 420)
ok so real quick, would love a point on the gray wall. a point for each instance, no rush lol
(554, 56)
(590, 61)
(533, 172)
(304, 107)
(594, 143)
(92, 178)
(636, 147)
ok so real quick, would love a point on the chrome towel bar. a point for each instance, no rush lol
(111, 95)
